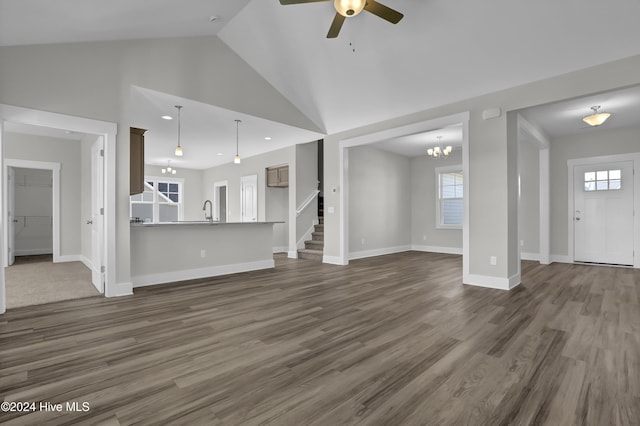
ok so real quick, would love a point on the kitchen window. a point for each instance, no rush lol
(450, 197)
(161, 201)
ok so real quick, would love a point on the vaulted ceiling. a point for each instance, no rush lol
(441, 52)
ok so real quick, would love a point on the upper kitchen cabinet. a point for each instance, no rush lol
(278, 176)
(136, 161)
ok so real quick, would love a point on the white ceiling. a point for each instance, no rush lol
(27, 129)
(206, 130)
(417, 144)
(68, 21)
(441, 52)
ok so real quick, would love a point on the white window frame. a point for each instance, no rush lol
(439, 217)
(156, 202)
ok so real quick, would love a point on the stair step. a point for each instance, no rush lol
(314, 244)
(318, 236)
(321, 220)
(309, 254)
(319, 227)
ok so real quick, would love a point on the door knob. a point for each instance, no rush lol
(89, 222)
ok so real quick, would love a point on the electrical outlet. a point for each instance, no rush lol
(424, 238)
(521, 243)
(493, 260)
(363, 241)
(332, 210)
(203, 253)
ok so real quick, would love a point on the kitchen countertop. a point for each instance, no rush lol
(195, 222)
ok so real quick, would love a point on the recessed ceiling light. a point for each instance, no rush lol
(219, 153)
(167, 117)
(268, 138)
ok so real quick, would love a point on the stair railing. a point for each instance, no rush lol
(307, 201)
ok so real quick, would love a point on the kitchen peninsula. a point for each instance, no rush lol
(169, 252)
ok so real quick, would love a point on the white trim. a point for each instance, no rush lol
(307, 201)
(122, 289)
(334, 260)
(55, 191)
(81, 125)
(437, 249)
(576, 162)
(86, 261)
(530, 256)
(292, 254)
(493, 282)
(190, 274)
(280, 249)
(216, 200)
(422, 126)
(559, 258)
(378, 252)
(68, 258)
(33, 252)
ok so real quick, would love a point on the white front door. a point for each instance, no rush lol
(96, 221)
(11, 219)
(249, 198)
(603, 213)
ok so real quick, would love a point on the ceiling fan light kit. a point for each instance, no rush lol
(597, 118)
(350, 8)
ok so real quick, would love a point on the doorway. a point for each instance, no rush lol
(603, 213)
(64, 123)
(220, 201)
(249, 198)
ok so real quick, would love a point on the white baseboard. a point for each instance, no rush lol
(280, 249)
(560, 258)
(492, 282)
(190, 274)
(88, 263)
(530, 256)
(334, 260)
(33, 252)
(437, 249)
(67, 258)
(292, 254)
(121, 289)
(377, 252)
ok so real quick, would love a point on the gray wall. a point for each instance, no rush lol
(85, 194)
(379, 200)
(529, 159)
(277, 210)
(592, 143)
(306, 182)
(67, 153)
(423, 204)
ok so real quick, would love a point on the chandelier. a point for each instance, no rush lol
(439, 151)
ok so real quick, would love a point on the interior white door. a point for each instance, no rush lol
(11, 219)
(603, 213)
(96, 221)
(249, 198)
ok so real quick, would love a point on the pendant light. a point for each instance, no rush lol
(597, 118)
(178, 151)
(236, 159)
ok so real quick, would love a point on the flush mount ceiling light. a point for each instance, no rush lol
(236, 159)
(178, 151)
(167, 117)
(597, 118)
(438, 151)
(168, 170)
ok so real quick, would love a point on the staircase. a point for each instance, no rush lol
(313, 248)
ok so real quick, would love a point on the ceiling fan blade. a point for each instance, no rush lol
(299, 1)
(383, 11)
(336, 25)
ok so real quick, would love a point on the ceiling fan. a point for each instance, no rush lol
(349, 8)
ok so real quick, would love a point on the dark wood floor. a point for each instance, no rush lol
(392, 340)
